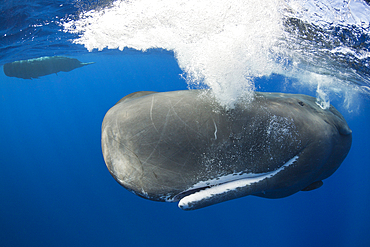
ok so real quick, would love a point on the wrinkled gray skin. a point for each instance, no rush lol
(159, 145)
(36, 67)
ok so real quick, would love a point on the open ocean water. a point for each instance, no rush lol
(54, 186)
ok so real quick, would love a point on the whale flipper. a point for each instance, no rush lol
(313, 186)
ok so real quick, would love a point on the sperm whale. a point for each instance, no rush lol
(184, 147)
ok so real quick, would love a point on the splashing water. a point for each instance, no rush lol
(225, 44)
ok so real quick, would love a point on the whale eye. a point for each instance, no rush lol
(301, 103)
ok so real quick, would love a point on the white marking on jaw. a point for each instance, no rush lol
(243, 180)
(215, 129)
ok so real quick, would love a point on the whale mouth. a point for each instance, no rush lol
(206, 193)
(248, 178)
(227, 179)
(188, 192)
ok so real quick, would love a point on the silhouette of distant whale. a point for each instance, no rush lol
(36, 67)
(183, 146)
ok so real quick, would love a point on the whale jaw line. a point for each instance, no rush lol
(246, 184)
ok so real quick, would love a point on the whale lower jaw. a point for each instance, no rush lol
(196, 198)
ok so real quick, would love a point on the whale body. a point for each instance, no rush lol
(36, 67)
(183, 146)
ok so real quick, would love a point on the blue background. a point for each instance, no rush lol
(56, 191)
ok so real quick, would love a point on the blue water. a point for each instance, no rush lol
(56, 191)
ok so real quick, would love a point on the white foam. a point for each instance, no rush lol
(225, 185)
(224, 44)
(323, 12)
(220, 44)
(322, 98)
